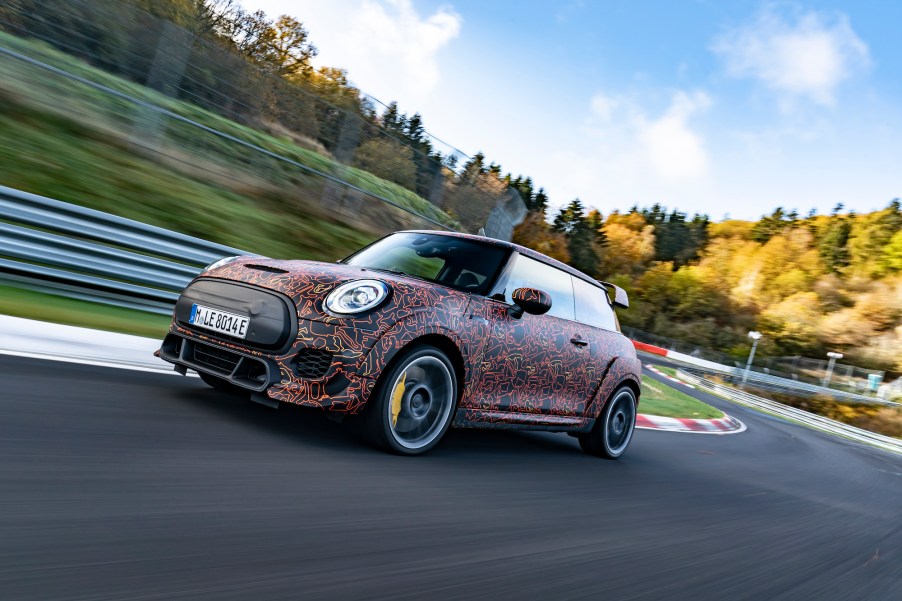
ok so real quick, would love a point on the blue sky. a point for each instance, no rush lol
(726, 108)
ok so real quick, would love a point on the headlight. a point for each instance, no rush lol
(356, 297)
(220, 263)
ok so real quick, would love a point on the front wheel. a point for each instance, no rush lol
(414, 402)
(613, 430)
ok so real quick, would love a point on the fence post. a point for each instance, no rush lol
(165, 75)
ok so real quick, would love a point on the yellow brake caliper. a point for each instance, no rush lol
(396, 400)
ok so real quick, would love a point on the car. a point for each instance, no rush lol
(417, 332)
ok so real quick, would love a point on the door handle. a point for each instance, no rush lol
(579, 341)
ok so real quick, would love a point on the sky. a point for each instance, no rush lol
(725, 108)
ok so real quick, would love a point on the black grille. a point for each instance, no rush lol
(312, 363)
(218, 359)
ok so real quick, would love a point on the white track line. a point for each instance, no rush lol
(69, 344)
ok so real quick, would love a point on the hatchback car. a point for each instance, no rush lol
(417, 332)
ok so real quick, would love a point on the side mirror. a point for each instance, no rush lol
(529, 300)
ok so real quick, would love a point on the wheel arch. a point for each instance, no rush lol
(619, 374)
(402, 336)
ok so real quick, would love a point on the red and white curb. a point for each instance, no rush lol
(655, 370)
(724, 425)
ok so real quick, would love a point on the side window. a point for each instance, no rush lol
(592, 306)
(529, 273)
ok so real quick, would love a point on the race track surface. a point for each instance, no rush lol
(128, 485)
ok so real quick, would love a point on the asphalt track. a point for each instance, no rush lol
(128, 485)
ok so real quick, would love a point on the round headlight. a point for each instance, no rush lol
(356, 297)
(221, 262)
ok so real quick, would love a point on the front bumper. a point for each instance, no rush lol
(291, 360)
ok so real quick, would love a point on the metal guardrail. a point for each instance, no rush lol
(65, 249)
(778, 384)
(818, 422)
(771, 382)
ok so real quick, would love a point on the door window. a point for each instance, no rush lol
(529, 273)
(592, 306)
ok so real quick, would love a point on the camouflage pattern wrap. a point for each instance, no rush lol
(517, 371)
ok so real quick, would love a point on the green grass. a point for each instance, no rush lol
(46, 307)
(66, 140)
(660, 399)
(670, 371)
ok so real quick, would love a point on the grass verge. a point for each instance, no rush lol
(46, 307)
(670, 371)
(660, 399)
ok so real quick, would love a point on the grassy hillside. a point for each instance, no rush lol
(67, 140)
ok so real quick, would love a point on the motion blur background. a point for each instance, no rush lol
(205, 118)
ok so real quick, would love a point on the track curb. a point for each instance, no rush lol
(724, 425)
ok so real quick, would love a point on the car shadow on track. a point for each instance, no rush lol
(306, 426)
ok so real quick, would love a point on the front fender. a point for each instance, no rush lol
(407, 330)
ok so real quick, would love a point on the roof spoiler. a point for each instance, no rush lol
(620, 297)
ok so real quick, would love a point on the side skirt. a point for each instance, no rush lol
(478, 418)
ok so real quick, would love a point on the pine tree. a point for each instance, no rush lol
(581, 238)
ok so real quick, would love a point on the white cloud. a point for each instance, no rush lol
(802, 54)
(389, 40)
(676, 151)
(665, 145)
(389, 49)
(603, 106)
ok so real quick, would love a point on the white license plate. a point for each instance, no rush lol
(219, 321)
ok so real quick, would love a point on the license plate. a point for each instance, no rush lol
(219, 321)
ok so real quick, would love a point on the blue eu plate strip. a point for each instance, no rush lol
(193, 313)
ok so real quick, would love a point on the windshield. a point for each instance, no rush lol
(448, 260)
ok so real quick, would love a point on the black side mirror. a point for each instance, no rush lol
(529, 300)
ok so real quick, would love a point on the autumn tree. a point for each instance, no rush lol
(535, 233)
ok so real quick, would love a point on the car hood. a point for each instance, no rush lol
(308, 283)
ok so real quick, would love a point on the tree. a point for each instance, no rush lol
(571, 221)
(568, 217)
(387, 159)
(540, 202)
(892, 253)
(535, 233)
(676, 240)
(630, 252)
(473, 168)
(773, 224)
(595, 220)
(287, 49)
(832, 245)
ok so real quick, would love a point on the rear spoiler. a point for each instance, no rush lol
(620, 297)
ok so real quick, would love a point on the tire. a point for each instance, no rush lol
(613, 430)
(221, 384)
(414, 401)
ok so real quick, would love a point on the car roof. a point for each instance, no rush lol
(528, 252)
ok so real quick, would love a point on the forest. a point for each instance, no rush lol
(810, 284)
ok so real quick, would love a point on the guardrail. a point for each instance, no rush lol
(810, 419)
(73, 251)
(757, 378)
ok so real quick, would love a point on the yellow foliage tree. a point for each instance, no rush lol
(629, 251)
(535, 233)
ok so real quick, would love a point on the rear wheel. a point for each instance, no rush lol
(221, 384)
(613, 430)
(414, 402)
